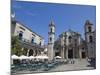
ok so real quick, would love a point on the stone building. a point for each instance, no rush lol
(70, 45)
(29, 40)
(51, 39)
(90, 38)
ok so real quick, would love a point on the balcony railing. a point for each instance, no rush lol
(23, 40)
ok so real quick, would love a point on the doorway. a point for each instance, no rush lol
(83, 55)
(70, 53)
(31, 52)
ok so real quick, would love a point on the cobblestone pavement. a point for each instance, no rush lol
(78, 65)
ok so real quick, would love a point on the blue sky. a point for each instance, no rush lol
(37, 16)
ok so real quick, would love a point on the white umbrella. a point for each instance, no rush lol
(45, 50)
(42, 57)
(31, 57)
(23, 57)
(38, 57)
(14, 57)
(58, 57)
(45, 57)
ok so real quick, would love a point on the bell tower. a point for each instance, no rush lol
(51, 37)
(89, 37)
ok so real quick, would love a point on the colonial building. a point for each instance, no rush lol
(29, 40)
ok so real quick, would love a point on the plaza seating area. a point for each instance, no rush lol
(23, 64)
(38, 66)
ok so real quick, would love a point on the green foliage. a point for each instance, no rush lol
(15, 46)
(25, 51)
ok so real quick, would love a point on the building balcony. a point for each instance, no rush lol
(26, 41)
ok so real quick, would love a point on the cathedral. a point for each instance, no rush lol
(70, 44)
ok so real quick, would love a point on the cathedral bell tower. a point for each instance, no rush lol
(89, 37)
(51, 37)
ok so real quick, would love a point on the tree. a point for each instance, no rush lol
(25, 51)
(15, 46)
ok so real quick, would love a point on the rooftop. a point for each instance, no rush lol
(28, 28)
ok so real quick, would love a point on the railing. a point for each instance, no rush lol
(23, 40)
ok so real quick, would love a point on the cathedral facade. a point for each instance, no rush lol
(70, 44)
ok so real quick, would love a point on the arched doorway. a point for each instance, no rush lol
(83, 55)
(31, 52)
(57, 53)
(70, 53)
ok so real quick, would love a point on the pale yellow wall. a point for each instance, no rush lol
(27, 34)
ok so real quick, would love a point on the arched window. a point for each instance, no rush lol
(51, 30)
(69, 38)
(90, 39)
(50, 39)
(32, 40)
(89, 29)
(31, 52)
(20, 35)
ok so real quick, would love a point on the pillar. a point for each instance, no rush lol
(80, 54)
(28, 52)
(67, 53)
(62, 52)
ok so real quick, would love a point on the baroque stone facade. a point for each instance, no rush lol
(71, 45)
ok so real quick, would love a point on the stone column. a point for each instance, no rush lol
(33, 52)
(28, 52)
(73, 52)
(62, 53)
(67, 53)
(80, 54)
